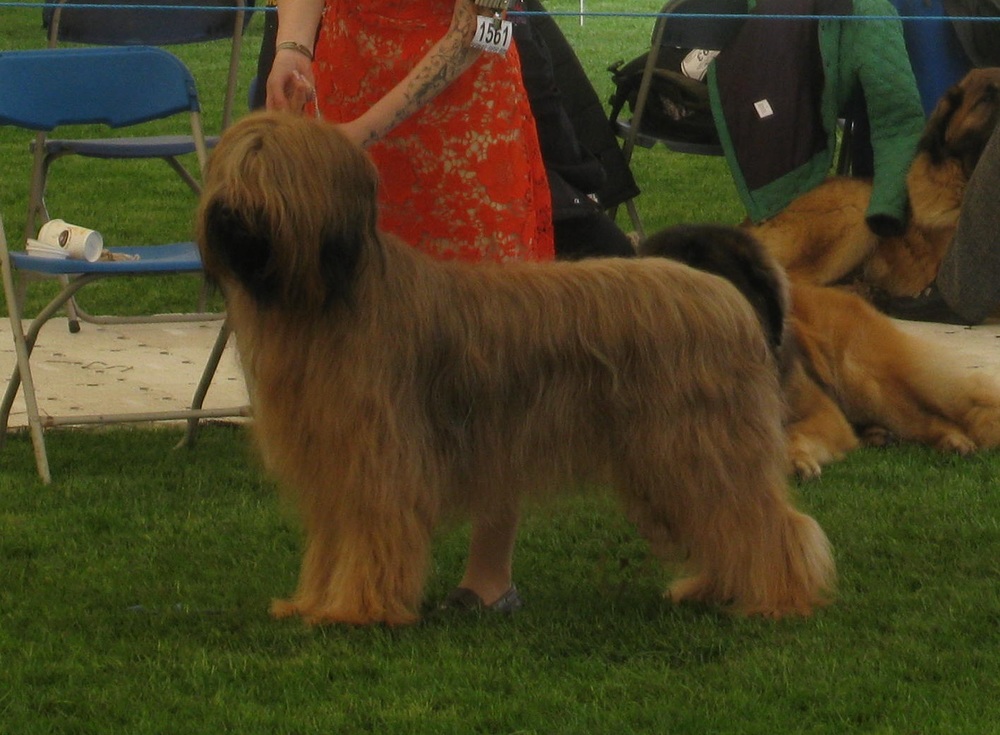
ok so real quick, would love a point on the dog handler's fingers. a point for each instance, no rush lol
(296, 93)
(299, 94)
(277, 92)
(289, 85)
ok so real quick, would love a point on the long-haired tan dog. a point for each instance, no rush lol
(389, 389)
(846, 368)
(821, 237)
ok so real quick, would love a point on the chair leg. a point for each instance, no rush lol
(633, 215)
(185, 175)
(72, 315)
(35, 428)
(214, 358)
(21, 378)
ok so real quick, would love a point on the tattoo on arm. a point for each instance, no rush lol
(452, 56)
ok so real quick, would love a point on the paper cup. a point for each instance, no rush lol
(77, 241)
(44, 250)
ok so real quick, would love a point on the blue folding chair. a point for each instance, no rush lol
(119, 87)
(132, 23)
(129, 23)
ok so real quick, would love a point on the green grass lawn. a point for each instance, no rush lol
(134, 590)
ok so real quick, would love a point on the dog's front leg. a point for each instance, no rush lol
(363, 564)
(818, 432)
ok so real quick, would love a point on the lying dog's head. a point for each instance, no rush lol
(287, 210)
(739, 258)
(963, 120)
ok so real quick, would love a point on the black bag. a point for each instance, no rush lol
(258, 91)
(678, 107)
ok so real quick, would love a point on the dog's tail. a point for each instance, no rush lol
(739, 258)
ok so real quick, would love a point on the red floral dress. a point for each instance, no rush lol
(462, 177)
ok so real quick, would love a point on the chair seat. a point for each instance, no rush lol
(179, 257)
(648, 140)
(155, 146)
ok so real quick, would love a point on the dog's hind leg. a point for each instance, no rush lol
(911, 404)
(314, 577)
(982, 419)
(725, 509)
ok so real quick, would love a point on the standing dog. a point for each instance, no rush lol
(821, 237)
(389, 388)
(844, 365)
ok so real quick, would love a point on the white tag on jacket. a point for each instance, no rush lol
(763, 108)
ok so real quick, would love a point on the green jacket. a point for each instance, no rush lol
(780, 86)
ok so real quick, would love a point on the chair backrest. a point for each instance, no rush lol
(712, 32)
(117, 86)
(149, 24)
(164, 23)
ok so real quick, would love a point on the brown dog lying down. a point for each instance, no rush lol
(821, 237)
(845, 367)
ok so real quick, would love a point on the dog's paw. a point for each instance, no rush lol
(806, 456)
(695, 589)
(281, 609)
(804, 466)
(877, 436)
(957, 443)
(315, 615)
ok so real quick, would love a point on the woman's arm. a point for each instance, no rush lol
(438, 68)
(291, 83)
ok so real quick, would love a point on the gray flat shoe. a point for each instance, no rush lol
(462, 598)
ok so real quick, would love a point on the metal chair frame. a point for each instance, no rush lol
(120, 87)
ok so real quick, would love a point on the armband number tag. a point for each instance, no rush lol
(492, 35)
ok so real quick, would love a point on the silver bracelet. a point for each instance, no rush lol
(295, 46)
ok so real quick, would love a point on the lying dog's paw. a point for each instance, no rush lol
(805, 467)
(957, 443)
(806, 456)
(877, 436)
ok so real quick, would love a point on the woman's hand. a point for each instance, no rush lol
(290, 85)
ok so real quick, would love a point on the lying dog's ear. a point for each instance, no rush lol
(980, 122)
(934, 140)
(238, 244)
(736, 256)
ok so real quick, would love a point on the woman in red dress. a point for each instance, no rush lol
(451, 132)
(449, 127)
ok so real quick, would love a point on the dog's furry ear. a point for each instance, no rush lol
(239, 243)
(983, 116)
(963, 120)
(934, 141)
(736, 256)
(339, 260)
